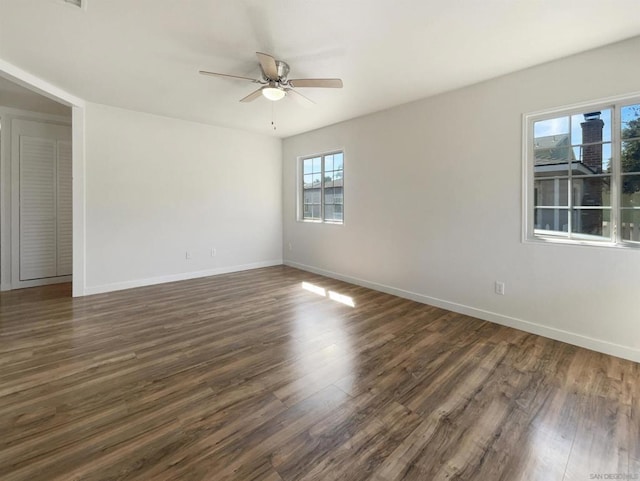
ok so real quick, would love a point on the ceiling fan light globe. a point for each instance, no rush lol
(273, 93)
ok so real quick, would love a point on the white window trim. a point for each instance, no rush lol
(528, 119)
(300, 189)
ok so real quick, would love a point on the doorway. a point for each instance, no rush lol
(36, 226)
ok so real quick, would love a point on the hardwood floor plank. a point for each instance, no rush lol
(634, 438)
(601, 445)
(255, 376)
(547, 438)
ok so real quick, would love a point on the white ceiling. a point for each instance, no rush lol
(144, 54)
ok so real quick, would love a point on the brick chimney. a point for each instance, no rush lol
(592, 133)
(591, 221)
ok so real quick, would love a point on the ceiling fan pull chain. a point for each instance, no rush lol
(273, 115)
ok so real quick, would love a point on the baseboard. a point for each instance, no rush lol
(183, 276)
(605, 347)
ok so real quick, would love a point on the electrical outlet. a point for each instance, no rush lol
(499, 288)
(290, 246)
(187, 255)
(213, 252)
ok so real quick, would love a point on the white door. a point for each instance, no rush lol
(64, 209)
(38, 250)
(42, 200)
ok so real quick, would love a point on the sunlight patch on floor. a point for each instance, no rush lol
(346, 300)
(334, 296)
(307, 286)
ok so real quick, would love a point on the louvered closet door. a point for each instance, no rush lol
(65, 206)
(38, 249)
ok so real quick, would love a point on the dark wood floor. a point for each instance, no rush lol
(250, 376)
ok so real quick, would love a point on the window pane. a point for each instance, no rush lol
(577, 152)
(606, 158)
(552, 219)
(328, 196)
(554, 155)
(328, 162)
(589, 127)
(338, 161)
(308, 166)
(317, 166)
(333, 213)
(591, 191)
(591, 222)
(552, 192)
(630, 121)
(576, 131)
(328, 179)
(593, 159)
(311, 196)
(551, 127)
(337, 195)
(316, 180)
(308, 181)
(630, 156)
(328, 212)
(312, 212)
(630, 195)
(630, 225)
(607, 129)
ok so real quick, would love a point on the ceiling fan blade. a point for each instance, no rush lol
(333, 83)
(268, 64)
(215, 74)
(252, 96)
(301, 99)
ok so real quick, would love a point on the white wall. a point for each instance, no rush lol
(159, 187)
(433, 208)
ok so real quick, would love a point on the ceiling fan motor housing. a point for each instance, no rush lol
(283, 70)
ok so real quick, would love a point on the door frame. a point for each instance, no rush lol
(78, 109)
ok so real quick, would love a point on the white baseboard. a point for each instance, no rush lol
(580, 340)
(118, 286)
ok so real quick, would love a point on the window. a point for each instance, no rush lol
(322, 188)
(583, 175)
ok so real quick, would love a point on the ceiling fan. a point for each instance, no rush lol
(275, 83)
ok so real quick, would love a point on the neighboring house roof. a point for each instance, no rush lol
(553, 149)
(316, 185)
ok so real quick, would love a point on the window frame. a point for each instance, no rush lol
(301, 190)
(529, 235)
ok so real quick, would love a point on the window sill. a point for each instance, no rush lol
(324, 222)
(549, 240)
